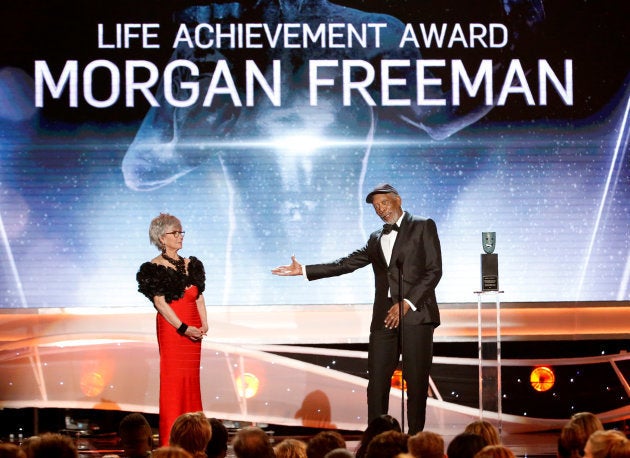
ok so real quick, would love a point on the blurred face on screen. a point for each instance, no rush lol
(387, 207)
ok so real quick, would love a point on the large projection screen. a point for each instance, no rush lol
(263, 125)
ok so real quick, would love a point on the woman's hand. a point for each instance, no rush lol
(195, 334)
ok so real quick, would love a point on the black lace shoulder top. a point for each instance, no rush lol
(156, 280)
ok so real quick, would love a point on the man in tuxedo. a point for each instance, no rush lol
(406, 247)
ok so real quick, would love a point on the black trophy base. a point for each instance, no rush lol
(490, 272)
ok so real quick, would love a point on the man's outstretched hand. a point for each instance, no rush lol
(295, 268)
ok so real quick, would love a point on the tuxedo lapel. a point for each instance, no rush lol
(379, 249)
(400, 240)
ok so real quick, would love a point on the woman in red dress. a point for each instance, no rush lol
(175, 286)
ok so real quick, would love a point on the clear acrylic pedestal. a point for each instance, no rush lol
(489, 348)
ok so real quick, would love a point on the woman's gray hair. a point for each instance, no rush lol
(159, 225)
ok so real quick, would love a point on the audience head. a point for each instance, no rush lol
(252, 442)
(620, 449)
(136, 436)
(600, 443)
(495, 451)
(324, 442)
(28, 443)
(51, 445)
(218, 444)
(339, 453)
(170, 452)
(387, 445)
(290, 448)
(576, 432)
(191, 431)
(379, 425)
(587, 421)
(486, 430)
(426, 444)
(464, 445)
(9, 450)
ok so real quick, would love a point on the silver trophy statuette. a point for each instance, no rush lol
(488, 241)
(489, 262)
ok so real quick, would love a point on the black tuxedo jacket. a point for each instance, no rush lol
(417, 250)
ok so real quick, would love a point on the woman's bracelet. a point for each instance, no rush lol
(182, 329)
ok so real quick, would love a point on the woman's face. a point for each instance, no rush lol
(173, 238)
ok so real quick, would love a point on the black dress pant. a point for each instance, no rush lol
(383, 358)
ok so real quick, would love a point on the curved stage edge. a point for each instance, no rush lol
(305, 362)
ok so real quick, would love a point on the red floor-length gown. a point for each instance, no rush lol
(180, 358)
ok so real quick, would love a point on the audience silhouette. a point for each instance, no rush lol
(291, 448)
(192, 432)
(575, 433)
(379, 425)
(426, 444)
(252, 442)
(136, 436)
(218, 444)
(465, 445)
(324, 442)
(193, 435)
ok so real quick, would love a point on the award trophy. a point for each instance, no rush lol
(489, 262)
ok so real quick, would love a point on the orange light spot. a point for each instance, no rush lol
(247, 385)
(92, 384)
(397, 380)
(542, 378)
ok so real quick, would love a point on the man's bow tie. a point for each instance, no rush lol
(387, 228)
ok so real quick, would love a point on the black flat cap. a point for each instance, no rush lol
(382, 188)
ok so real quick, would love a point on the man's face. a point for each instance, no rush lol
(387, 207)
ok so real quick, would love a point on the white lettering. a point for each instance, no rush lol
(457, 36)
(387, 81)
(491, 35)
(69, 76)
(222, 72)
(515, 71)
(315, 81)
(545, 72)
(458, 73)
(114, 83)
(169, 87)
(423, 81)
(183, 36)
(361, 86)
(254, 73)
(125, 34)
(131, 85)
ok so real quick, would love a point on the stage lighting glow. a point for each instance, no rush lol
(542, 378)
(247, 385)
(397, 380)
(92, 384)
(299, 144)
